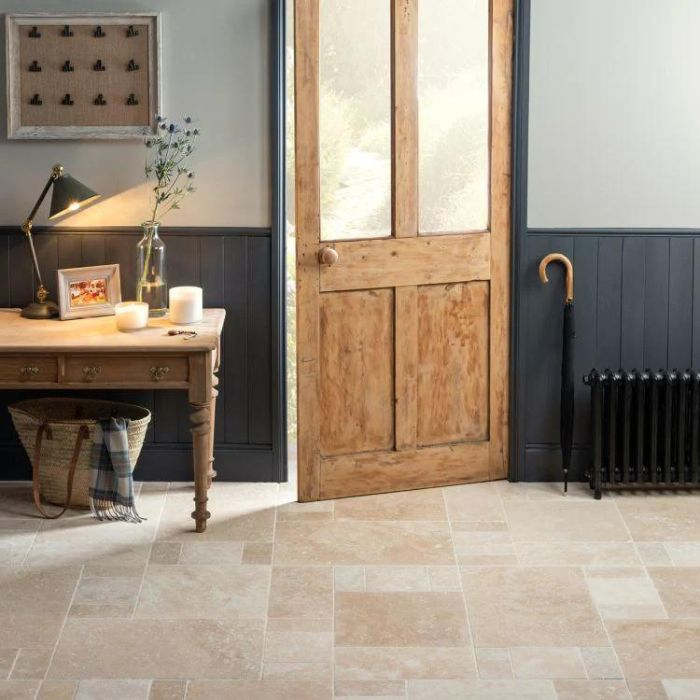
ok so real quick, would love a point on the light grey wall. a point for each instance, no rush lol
(614, 138)
(215, 67)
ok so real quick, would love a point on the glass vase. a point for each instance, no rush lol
(151, 285)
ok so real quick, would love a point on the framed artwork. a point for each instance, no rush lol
(84, 292)
(82, 76)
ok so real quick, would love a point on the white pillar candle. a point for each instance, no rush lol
(185, 304)
(131, 315)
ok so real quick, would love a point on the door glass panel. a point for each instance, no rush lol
(355, 118)
(453, 94)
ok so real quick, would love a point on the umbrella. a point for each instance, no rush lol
(566, 419)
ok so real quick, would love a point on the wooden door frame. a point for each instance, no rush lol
(404, 27)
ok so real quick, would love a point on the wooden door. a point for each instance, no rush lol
(402, 330)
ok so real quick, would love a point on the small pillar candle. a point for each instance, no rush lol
(185, 304)
(131, 315)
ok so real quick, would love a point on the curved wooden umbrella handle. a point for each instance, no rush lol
(559, 257)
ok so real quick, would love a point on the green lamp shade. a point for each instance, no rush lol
(68, 195)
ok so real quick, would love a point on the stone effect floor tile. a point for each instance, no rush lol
(301, 592)
(19, 690)
(185, 649)
(547, 662)
(679, 589)
(57, 690)
(362, 543)
(493, 664)
(349, 578)
(266, 689)
(317, 672)
(647, 690)
(592, 690)
(298, 641)
(31, 664)
(359, 572)
(424, 504)
(370, 689)
(491, 690)
(387, 663)
(400, 619)
(681, 689)
(657, 649)
(168, 690)
(204, 592)
(601, 663)
(565, 522)
(507, 607)
(112, 690)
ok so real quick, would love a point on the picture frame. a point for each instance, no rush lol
(87, 292)
(89, 75)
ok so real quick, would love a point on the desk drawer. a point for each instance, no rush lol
(27, 368)
(126, 369)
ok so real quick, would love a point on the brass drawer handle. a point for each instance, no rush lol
(28, 372)
(90, 373)
(158, 373)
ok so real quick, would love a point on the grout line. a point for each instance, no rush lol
(13, 664)
(150, 550)
(269, 589)
(65, 620)
(461, 587)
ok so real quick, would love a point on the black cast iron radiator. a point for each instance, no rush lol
(645, 430)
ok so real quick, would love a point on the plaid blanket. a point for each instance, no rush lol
(111, 480)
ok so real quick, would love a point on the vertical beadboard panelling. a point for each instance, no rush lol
(680, 300)
(632, 304)
(696, 305)
(634, 297)
(236, 349)
(20, 273)
(4, 271)
(93, 249)
(545, 309)
(608, 298)
(70, 253)
(656, 307)
(234, 270)
(585, 262)
(259, 377)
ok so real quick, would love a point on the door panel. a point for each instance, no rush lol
(357, 386)
(453, 358)
(402, 340)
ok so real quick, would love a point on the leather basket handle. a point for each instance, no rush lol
(83, 433)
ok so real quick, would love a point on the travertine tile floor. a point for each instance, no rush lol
(482, 591)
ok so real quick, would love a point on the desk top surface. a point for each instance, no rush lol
(19, 334)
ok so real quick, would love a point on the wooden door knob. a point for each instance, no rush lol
(328, 256)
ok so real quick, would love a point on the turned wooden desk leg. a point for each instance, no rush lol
(201, 446)
(212, 420)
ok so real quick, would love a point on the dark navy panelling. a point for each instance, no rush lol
(656, 283)
(608, 301)
(680, 299)
(634, 302)
(632, 308)
(234, 268)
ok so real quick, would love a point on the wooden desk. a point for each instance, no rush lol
(92, 354)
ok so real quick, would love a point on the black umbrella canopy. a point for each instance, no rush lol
(566, 414)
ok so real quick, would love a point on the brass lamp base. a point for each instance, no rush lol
(40, 309)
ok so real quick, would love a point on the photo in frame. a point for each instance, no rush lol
(86, 292)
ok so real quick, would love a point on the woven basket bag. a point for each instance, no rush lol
(57, 435)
